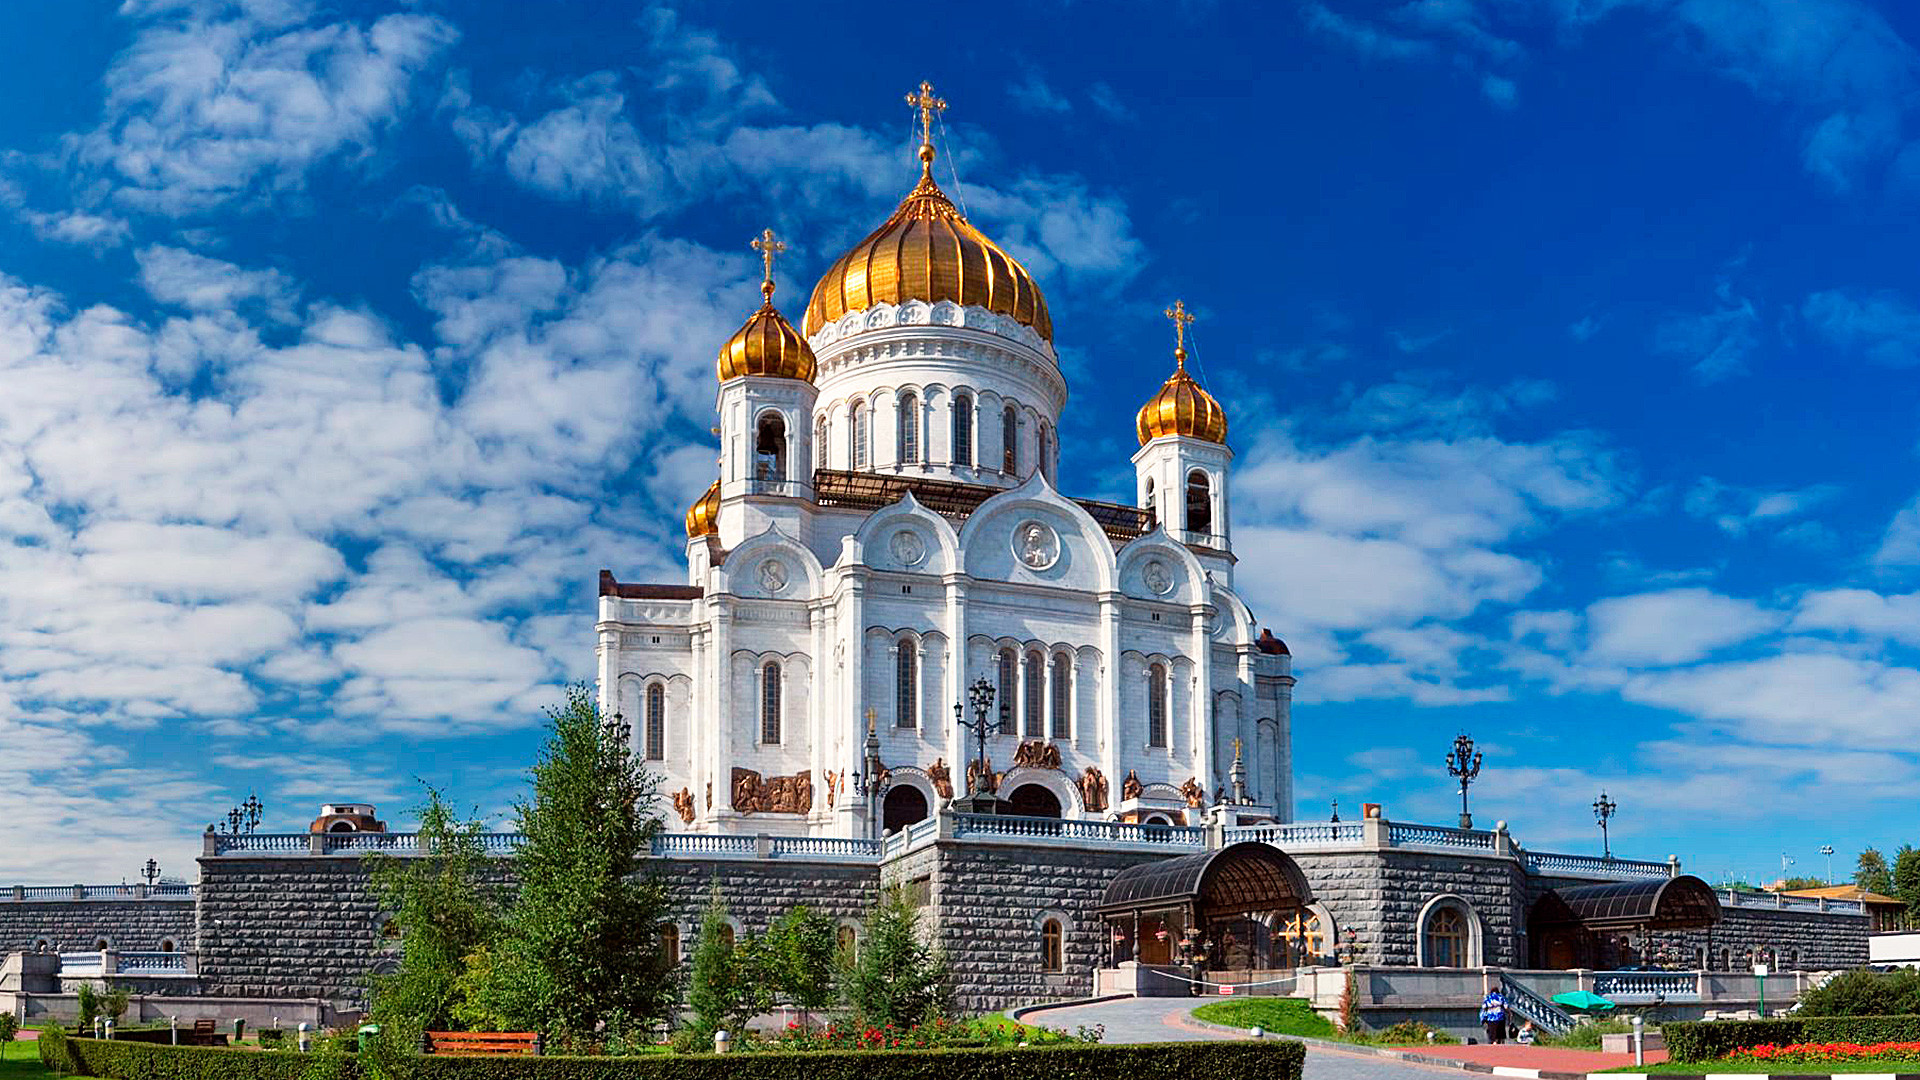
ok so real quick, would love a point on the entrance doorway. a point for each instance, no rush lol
(904, 806)
(1033, 800)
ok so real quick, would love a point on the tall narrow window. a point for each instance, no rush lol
(862, 417)
(904, 696)
(1010, 441)
(1062, 696)
(770, 703)
(770, 448)
(820, 441)
(1051, 958)
(1153, 512)
(1044, 452)
(1009, 665)
(909, 445)
(1156, 706)
(962, 430)
(1446, 934)
(1036, 696)
(670, 944)
(656, 722)
(1199, 504)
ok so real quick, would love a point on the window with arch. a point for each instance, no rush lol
(1446, 936)
(849, 941)
(726, 936)
(1052, 948)
(1301, 938)
(1062, 696)
(905, 699)
(770, 448)
(102, 944)
(670, 944)
(819, 441)
(1199, 503)
(962, 429)
(1009, 674)
(862, 423)
(656, 722)
(1146, 503)
(1157, 705)
(167, 944)
(770, 703)
(1043, 452)
(1036, 699)
(1010, 440)
(909, 434)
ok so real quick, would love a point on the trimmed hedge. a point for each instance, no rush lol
(1708, 1040)
(1215, 1061)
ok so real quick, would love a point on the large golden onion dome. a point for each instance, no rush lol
(1182, 407)
(768, 344)
(928, 251)
(703, 517)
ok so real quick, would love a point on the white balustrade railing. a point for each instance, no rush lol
(391, 843)
(1400, 835)
(1777, 902)
(45, 893)
(1110, 832)
(668, 845)
(81, 963)
(1544, 862)
(151, 963)
(262, 843)
(1646, 985)
(823, 847)
(1301, 834)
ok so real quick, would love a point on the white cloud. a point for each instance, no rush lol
(1883, 326)
(1794, 699)
(1863, 612)
(193, 281)
(1677, 626)
(1034, 95)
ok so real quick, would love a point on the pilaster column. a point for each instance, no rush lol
(957, 632)
(1107, 690)
(720, 760)
(1200, 722)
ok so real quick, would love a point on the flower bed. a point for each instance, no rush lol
(1825, 1053)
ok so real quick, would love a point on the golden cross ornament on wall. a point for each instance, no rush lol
(928, 104)
(870, 718)
(1181, 317)
(768, 245)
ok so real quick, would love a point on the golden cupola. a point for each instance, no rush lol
(767, 345)
(928, 251)
(1182, 407)
(703, 517)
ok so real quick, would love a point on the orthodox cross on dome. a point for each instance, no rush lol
(768, 245)
(928, 104)
(1181, 317)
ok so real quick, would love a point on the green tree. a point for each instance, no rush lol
(718, 992)
(1873, 874)
(9, 1027)
(581, 943)
(445, 910)
(1803, 882)
(897, 978)
(87, 1001)
(798, 957)
(1906, 877)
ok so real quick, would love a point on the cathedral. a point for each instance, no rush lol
(886, 532)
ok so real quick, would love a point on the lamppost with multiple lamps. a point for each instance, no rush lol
(1463, 763)
(1603, 809)
(1827, 850)
(871, 782)
(151, 871)
(979, 799)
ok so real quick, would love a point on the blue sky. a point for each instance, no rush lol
(1569, 349)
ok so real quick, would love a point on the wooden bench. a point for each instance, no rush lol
(203, 1034)
(482, 1043)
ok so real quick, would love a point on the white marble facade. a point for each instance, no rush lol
(1129, 657)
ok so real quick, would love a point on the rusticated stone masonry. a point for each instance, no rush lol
(139, 925)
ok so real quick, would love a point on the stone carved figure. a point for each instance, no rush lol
(1093, 790)
(773, 794)
(1195, 794)
(833, 778)
(773, 575)
(908, 547)
(942, 780)
(1037, 547)
(1131, 788)
(683, 803)
(1036, 754)
(976, 782)
(709, 794)
(1156, 577)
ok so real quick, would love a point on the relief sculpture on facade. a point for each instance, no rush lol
(1195, 794)
(942, 780)
(832, 777)
(774, 794)
(977, 783)
(1131, 788)
(683, 803)
(1036, 754)
(1093, 790)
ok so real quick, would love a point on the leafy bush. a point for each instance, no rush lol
(897, 978)
(87, 999)
(1586, 1034)
(1216, 1061)
(1708, 1040)
(9, 1027)
(1865, 993)
(1412, 1033)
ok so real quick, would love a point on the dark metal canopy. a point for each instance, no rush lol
(873, 491)
(1677, 903)
(1236, 880)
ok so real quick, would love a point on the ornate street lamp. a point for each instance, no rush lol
(618, 732)
(250, 811)
(235, 818)
(873, 783)
(1603, 809)
(1463, 762)
(1827, 850)
(980, 798)
(151, 871)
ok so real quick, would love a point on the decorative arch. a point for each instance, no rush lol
(799, 572)
(771, 444)
(1055, 929)
(939, 545)
(904, 805)
(1449, 933)
(1186, 578)
(1063, 790)
(1086, 556)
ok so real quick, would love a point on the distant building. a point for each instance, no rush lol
(1885, 912)
(347, 817)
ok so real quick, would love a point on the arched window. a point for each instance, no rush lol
(770, 703)
(102, 944)
(1043, 452)
(1036, 696)
(1445, 937)
(726, 936)
(1199, 504)
(905, 714)
(849, 941)
(1052, 952)
(656, 722)
(859, 444)
(670, 944)
(167, 944)
(820, 441)
(770, 448)
(1300, 938)
(1010, 441)
(1157, 706)
(1062, 696)
(962, 430)
(909, 445)
(1009, 665)
(1153, 512)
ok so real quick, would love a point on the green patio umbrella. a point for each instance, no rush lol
(1583, 1001)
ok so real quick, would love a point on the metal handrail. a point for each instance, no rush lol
(1535, 1007)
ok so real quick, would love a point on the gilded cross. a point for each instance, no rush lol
(928, 104)
(1236, 749)
(1181, 317)
(870, 718)
(768, 245)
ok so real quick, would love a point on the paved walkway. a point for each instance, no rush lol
(1544, 1058)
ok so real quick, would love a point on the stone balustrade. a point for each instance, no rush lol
(41, 894)
(143, 963)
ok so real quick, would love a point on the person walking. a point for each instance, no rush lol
(1493, 1013)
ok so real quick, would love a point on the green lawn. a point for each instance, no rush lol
(1282, 1016)
(23, 1063)
(1699, 1068)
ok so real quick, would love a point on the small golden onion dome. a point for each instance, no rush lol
(1182, 408)
(768, 344)
(703, 517)
(928, 251)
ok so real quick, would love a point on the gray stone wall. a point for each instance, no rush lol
(1383, 893)
(1798, 940)
(76, 925)
(760, 891)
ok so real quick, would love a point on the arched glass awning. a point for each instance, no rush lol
(1236, 880)
(1678, 903)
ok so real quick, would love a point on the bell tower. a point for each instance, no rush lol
(1181, 466)
(766, 400)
